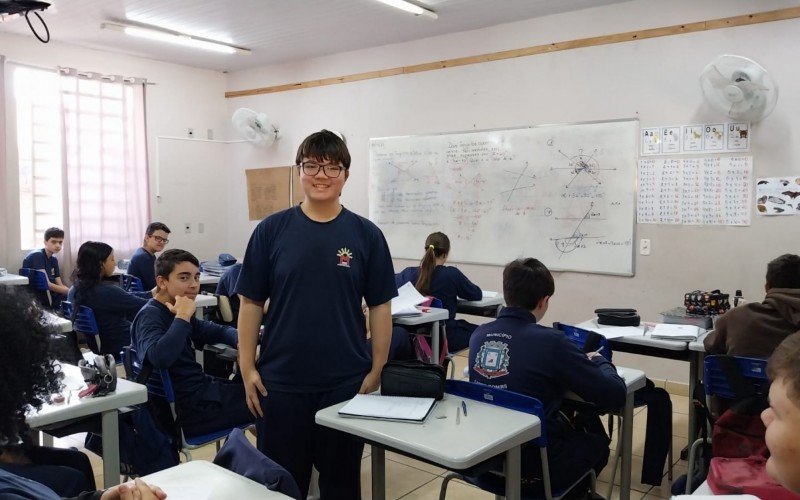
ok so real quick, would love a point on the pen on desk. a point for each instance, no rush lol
(464, 407)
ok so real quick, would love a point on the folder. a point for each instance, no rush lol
(394, 408)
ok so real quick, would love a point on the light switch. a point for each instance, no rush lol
(644, 246)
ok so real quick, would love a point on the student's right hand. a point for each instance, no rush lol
(254, 389)
(135, 490)
(183, 308)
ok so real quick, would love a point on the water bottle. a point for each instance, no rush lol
(738, 299)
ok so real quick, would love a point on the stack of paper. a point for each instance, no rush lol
(665, 331)
(406, 301)
(397, 408)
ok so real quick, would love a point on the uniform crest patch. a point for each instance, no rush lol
(492, 359)
(345, 256)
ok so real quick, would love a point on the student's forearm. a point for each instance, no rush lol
(250, 314)
(61, 289)
(380, 327)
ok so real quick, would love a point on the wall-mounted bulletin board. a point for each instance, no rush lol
(270, 190)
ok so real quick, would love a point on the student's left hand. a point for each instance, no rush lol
(134, 490)
(371, 383)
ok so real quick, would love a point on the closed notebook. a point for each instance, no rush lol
(675, 332)
(397, 408)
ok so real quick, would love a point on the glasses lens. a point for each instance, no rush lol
(310, 168)
(333, 170)
(161, 240)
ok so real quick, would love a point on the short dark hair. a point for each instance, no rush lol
(53, 232)
(526, 282)
(166, 262)
(784, 272)
(785, 364)
(324, 145)
(157, 226)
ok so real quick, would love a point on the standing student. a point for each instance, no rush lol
(113, 307)
(143, 260)
(315, 262)
(45, 259)
(446, 283)
(515, 352)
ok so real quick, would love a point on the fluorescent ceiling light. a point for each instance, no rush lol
(410, 7)
(174, 38)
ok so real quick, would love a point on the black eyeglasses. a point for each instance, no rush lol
(160, 239)
(311, 169)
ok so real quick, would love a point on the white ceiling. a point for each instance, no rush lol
(275, 30)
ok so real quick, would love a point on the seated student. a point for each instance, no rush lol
(29, 378)
(143, 260)
(756, 328)
(516, 353)
(45, 259)
(782, 418)
(227, 285)
(446, 283)
(163, 334)
(113, 307)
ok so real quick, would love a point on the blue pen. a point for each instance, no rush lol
(464, 407)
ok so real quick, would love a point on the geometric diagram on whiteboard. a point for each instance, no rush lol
(570, 243)
(522, 178)
(582, 165)
(404, 170)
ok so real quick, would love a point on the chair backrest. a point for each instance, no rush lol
(717, 383)
(130, 283)
(158, 383)
(225, 311)
(579, 337)
(83, 322)
(37, 278)
(500, 397)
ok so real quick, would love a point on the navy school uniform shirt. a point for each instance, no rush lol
(143, 266)
(447, 283)
(38, 259)
(166, 342)
(113, 308)
(227, 285)
(515, 353)
(315, 275)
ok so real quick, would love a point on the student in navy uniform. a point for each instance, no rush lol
(446, 283)
(165, 334)
(113, 307)
(227, 285)
(45, 259)
(514, 352)
(29, 378)
(143, 260)
(315, 263)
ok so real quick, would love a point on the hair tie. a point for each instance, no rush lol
(431, 247)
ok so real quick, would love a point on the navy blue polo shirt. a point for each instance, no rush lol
(143, 266)
(315, 275)
(113, 309)
(38, 259)
(447, 284)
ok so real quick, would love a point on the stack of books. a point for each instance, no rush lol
(212, 268)
(687, 333)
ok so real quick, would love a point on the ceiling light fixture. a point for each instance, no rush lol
(410, 7)
(174, 38)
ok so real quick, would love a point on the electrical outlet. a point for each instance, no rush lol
(644, 246)
(201, 227)
(187, 228)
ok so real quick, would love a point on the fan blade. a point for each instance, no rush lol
(716, 78)
(747, 86)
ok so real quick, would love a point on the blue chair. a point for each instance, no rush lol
(84, 322)
(37, 281)
(159, 385)
(487, 481)
(130, 283)
(716, 383)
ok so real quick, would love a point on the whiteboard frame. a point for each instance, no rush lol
(637, 156)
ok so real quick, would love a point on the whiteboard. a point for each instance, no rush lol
(563, 194)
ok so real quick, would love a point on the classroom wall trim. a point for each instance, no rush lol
(630, 36)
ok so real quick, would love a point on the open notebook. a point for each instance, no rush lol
(396, 408)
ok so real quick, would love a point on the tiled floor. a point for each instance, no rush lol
(410, 479)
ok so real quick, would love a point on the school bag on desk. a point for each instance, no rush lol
(706, 303)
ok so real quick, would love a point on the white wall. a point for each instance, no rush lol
(654, 80)
(182, 97)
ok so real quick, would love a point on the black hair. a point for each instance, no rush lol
(53, 232)
(324, 145)
(166, 262)
(784, 272)
(156, 226)
(526, 282)
(89, 267)
(436, 245)
(26, 367)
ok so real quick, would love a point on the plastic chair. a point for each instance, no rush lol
(159, 385)
(518, 402)
(716, 383)
(579, 336)
(37, 280)
(84, 322)
(130, 283)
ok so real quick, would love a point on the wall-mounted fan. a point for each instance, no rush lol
(739, 87)
(255, 127)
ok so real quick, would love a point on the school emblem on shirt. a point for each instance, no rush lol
(492, 359)
(345, 256)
